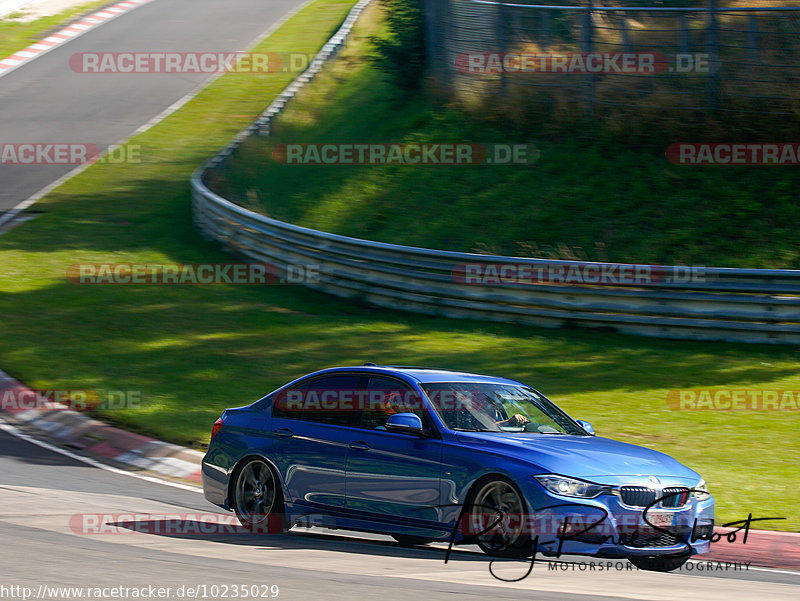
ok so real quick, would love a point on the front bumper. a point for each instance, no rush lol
(604, 527)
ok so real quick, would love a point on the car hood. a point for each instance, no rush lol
(590, 457)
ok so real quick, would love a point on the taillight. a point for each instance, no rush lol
(216, 427)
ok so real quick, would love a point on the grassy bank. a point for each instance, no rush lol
(194, 350)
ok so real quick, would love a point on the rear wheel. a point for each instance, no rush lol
(659, 563)
(409, 540)
(498, 500)
(257, 498)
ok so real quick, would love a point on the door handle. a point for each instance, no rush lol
(284, 433)
(359, 445)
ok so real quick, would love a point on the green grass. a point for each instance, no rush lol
(194, 350)
(587, 197)
(16, 35)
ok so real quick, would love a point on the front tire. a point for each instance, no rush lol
(508, 538)
(663, 563)
(257, 498)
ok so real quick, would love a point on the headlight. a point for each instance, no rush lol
(570, 487)
(701, 492)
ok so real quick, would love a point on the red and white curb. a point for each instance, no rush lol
(78, 431)
(764, 548)
(68, 33)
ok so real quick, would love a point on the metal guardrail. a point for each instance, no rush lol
(737, 305)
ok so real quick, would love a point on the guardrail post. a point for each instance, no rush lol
(627, 45)
(588, 37)
(752, 37)
(713, 50)
(502, 39)
(444, 33)
(544, 22)
(431, 11)
(683, 24)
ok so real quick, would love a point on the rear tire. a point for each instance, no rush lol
(410, 541)
(664, 563)
(257, 499)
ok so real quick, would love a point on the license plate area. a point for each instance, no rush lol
(658, 519)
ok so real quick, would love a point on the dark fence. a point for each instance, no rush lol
(700, 55)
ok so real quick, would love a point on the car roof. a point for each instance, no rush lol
(421, 375)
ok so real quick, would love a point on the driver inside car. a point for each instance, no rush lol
(496, 411)
(515, 420)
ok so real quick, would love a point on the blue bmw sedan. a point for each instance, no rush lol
(429, 454)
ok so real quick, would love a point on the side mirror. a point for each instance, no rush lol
(586, 426)
(405, 423)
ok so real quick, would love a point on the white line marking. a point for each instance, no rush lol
(6, 427)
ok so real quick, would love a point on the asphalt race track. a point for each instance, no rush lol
(44, 101)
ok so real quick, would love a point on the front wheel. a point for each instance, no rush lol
(664, 563)
(257, 498)
(496, 514)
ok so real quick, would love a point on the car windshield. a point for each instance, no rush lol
(486, 407)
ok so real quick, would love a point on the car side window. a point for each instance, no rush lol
(328, 400)
(287, 404)
(386, 397)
